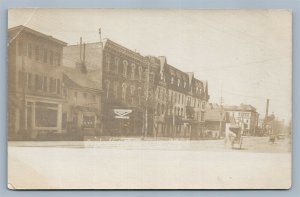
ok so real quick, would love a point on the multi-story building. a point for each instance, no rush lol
(81, 110)
(246, 116)
(180, 101)
(127, 88)
(35, 83)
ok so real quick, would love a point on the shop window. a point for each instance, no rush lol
(45, 114)
(88, 122)
(64, 121)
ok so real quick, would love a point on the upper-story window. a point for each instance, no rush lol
(172, 79)
(184, 84)
(124, 89)
(51, 57)
(140, 73)
(45, 57)
(116, 64)
(38, 83)
(107, 88)
(52, 87)
(45, 84)
(178, 82)
(125, 64)
(116, 87)
(132, 71)
(29, 50)
(37, 53)
(107, 62)
(20, 48)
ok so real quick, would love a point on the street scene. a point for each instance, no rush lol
(92, 105)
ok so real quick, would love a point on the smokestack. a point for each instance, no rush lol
(267, 109)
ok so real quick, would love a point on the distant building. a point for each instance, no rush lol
(245, 116)
(35, 83)
(215, 121)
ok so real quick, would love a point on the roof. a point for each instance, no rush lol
(113, 45)
(74, 79)
(242, 107)
(215, 115)
(14, 32)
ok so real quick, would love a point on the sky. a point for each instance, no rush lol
(245, 55)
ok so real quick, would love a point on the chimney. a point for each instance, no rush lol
(267, 109)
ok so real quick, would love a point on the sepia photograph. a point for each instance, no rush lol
(149, 99)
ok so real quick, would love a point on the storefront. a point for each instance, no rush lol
(42, 116)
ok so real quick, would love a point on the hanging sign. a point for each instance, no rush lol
(122, 113)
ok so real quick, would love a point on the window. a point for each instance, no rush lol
(132, 71)
(45, 84)
(116, 86)
(140, 73)
(45, 114)
(38, 84)
(184, 84)
(88, 122)
(94, 98)
(117, 65)
(132, 89)
(172, 80)
(202, 116)
(45, 57)
(107, 62)
(65, 91)
(124, 87)
(52, 85)
(84, 95)
(125, 64)
(178, 82)
(58, 59)
(20, 48)
(37, 51)
(22, 79)
(51, 57)
(29, 81)
(107, 86)
(58, 86)
(29, 50)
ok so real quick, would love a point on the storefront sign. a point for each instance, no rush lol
(122, 113)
